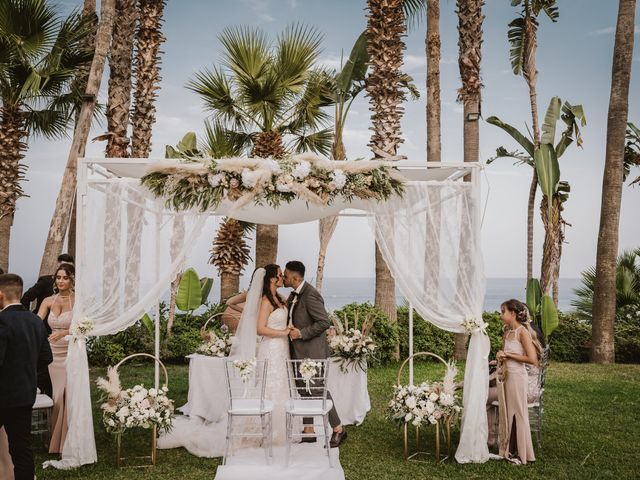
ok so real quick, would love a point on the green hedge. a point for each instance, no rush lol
(569, 343)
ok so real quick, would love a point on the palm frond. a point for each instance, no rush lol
(246, 51)
(319, 142)
(298, 48)
(220, 142)
(414, 12)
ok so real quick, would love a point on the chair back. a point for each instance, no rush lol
(544, 365)
(308, 379)
(247, 385)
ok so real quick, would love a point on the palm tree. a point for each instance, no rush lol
(120, 66)
(385, 28)
(470, 20)
(604, 298)
(40, 53)
(523, 37)
(270, 96)
(66, 194)
(627, 285)
(230, 254)
(149, 37)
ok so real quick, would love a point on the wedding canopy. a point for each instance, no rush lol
(130, 246)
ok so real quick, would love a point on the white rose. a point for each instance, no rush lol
(430, 407)
(411, 402)
(433, 420)
(273, 165)
(339, 179)
(407, 417)
(433, 396)
(302, 170)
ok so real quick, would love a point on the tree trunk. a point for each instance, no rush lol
(326, 227)
(604, 295)
(531, 206)
(120, 66)
(385, 298)
(229, 285)
(172, 303)
(266, 244)
(550, 247)
(62, 212)
(434, 147)
(12, 147)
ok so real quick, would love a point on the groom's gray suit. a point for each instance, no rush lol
(308, 315)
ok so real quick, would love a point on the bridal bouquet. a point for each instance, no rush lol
(82, 328)
(426, 404)
(472, 325)
(351, 346)
(215, 344)
(134, 407)
(308, 370)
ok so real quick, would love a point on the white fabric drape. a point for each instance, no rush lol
(117, 283)
(429, 239)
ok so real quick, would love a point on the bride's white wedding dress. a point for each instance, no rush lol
(275, 350)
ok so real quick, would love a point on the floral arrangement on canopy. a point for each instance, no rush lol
(426, 404)
(204, 183)
(134, 407)
(351, 346)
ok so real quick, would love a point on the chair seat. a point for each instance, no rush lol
(250, 406)
(300, 406)
(42, 401)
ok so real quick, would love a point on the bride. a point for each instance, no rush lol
(264, 320)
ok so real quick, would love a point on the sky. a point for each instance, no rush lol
(574, 60)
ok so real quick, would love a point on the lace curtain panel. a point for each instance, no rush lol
(430, 241)
(129, 251)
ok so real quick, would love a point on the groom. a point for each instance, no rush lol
(308, 336)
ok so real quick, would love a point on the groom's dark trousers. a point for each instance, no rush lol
(24, 348)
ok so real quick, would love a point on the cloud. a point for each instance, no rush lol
(331, 60)
(609, 31)
(261, 8)
(415, 62)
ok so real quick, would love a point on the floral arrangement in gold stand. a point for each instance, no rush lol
(351, 345)
(135, 407)
(216, 342)
(204, 183)
(425, 405)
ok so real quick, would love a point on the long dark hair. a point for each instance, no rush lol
(70, 270)
(270, 271)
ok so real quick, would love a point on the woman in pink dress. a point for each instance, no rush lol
(59, 306)
(520, 348)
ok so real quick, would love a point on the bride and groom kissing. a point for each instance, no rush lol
(290, 329)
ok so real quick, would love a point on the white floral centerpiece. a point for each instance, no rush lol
(245, 368)
(134, 407)
(352, 346)
(199, 182)
(308, 370)
(426, 404)
(216, 342)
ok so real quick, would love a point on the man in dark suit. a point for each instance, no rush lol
(24, 349)
(43, 288)
(308, 335)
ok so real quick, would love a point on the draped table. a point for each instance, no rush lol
(207, 397)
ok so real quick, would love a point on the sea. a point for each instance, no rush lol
(338, 292)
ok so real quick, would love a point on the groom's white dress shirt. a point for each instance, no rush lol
(294, 301)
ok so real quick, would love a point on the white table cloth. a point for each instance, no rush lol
(207, 397)
(349, 392)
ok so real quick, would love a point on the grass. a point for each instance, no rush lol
(591, 430)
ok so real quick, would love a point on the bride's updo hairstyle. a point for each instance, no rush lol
(522, 316)
(270, 271)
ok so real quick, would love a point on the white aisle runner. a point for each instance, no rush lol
(308, 461)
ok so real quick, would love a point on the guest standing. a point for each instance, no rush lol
(23, 350)
(59, 307)
(520, 347)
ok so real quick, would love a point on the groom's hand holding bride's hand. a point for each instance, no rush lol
(294, 333)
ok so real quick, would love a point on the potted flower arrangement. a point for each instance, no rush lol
(351, 346)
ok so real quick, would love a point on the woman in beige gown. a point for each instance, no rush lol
(6, 464)
(518, 350)
(60, 309)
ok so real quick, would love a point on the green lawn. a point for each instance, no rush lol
(592, 427)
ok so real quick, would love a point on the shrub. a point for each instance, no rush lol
(383, 332)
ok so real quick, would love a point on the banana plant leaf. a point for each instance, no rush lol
(189, 295)
(205, 286)
(534, 295)
(550, 121)
(355, 69)
(548, 169)
(514, 133)
(148, 323)
(549, 315)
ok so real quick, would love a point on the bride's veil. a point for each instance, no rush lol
(244, 342)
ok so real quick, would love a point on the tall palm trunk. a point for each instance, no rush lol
(267, 144)
(385, 28)
(530, 74)
(80, 85)
(470, 20)
(120, 66)
(433, 110)
(64, 202)
(604, 296)
(12, 147)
